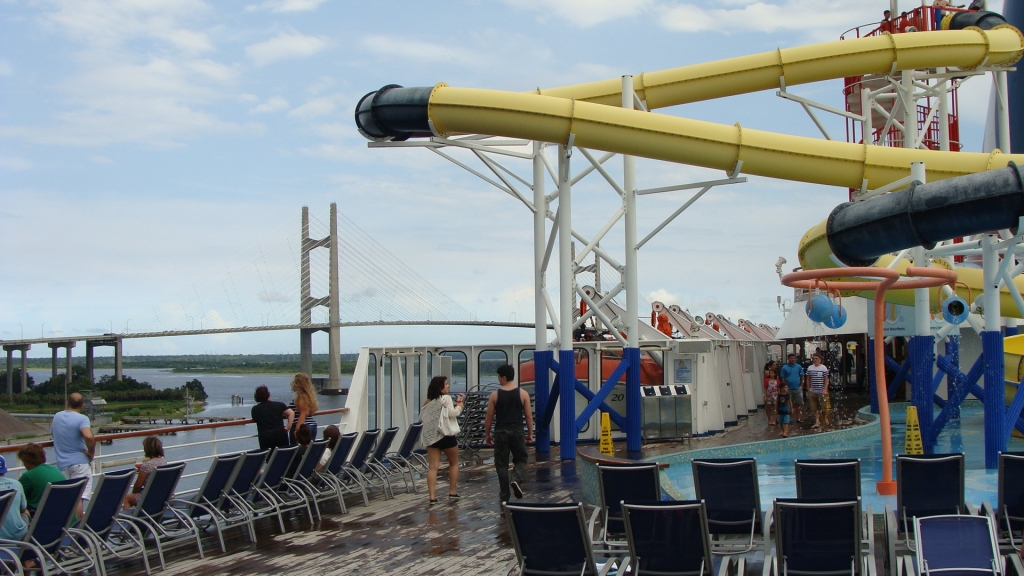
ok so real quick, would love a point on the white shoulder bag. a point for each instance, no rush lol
(449, 426)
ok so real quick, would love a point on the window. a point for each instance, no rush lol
(371, 393)
(489, 360)
(459, 370)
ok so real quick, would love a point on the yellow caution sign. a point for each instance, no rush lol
(913, 445)
(607, 448)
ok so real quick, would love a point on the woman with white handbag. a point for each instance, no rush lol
(440, 426)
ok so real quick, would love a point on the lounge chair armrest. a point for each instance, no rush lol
(1014, 565)
(592, 524)
(12, 564)
(987, 510)
(769, 565)
(869, 565)
(731, 566)
(613, 562)
(869, 529)
(971, 509)
(766, 530)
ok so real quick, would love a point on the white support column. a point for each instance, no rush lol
(922, 302)
(943, 112)
(910, 114)
(629, 203)
(868, 131)
(566, 275)
(1002, 111)
(990, 270)
(540, 205)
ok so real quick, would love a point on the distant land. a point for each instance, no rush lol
(211, 363)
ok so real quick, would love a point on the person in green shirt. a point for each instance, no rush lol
(37, 474)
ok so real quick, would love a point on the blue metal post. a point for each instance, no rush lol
(634, 427)
(541, 382)
(872, 385)
(922, 350)
(953, 355)
(567, 404)
(995, 397)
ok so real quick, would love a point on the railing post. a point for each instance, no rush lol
(213, 431)
(97, 454)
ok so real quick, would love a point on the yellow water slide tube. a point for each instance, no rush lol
(589, 116)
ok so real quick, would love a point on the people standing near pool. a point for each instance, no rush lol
(304, 404)
(272, 420)
(817, 375)
(784, 409)
(771, 394)
(793, 375)
(74, 444)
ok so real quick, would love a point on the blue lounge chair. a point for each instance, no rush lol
(48, 541)
(240, 491)
(1009, 513)
(926, 485)
(330, 472)
(272, 497)
(113, 538)
(815, 537)
(669, 538)
(352, 471)
(211, 508)
(552, 539)
(729, 489)
(837, 479)
(958, 545)
(376, 467)
(638, 482)
(170, 528)
(405, 461)
(10, 563)
(306, 483)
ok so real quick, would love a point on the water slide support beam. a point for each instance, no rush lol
(566, 298)
(542, 355)
(631, 353)
(992, 351)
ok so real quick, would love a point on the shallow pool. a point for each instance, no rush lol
(775, 466)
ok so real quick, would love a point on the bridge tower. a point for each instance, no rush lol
(332, 301)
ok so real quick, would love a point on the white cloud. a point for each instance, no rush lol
(314, 108)
(110, 24)
(417, 51)
(248, 98)
(286, 5)
(585, 13)
(5, 68)
(285, 46)
(271, 105)
(769, 17)
(14, 163)
(664, 296)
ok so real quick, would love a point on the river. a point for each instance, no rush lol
(219, 388)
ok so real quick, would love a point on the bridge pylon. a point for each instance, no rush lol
(332, 301)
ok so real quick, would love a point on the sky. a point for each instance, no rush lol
(150, 148)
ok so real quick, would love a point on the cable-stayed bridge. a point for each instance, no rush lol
(345, 279)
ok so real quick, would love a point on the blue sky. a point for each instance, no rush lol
(145, 146)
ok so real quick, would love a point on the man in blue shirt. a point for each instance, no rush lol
(793, 375)
(15, 525)
(74, 444)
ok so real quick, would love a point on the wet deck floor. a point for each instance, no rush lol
(405, 535)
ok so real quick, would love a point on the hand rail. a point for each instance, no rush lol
(164, 430)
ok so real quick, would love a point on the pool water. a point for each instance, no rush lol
(775, 469)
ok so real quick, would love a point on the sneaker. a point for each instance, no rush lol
(454, 496)
(516, 489)
(432, 502)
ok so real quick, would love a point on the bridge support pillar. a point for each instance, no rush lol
(10, 348)
(334, 305)
(306, 351)
(68, 345)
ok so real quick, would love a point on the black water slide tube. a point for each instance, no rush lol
(981, 19)
(394, 113)
(860, 232)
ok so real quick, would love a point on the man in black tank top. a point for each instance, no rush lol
(508, 409)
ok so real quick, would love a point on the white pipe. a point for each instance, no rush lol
(566, 278)
(1002, 111)
(629, 203)
(943, 112)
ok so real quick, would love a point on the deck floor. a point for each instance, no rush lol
(404, 534)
